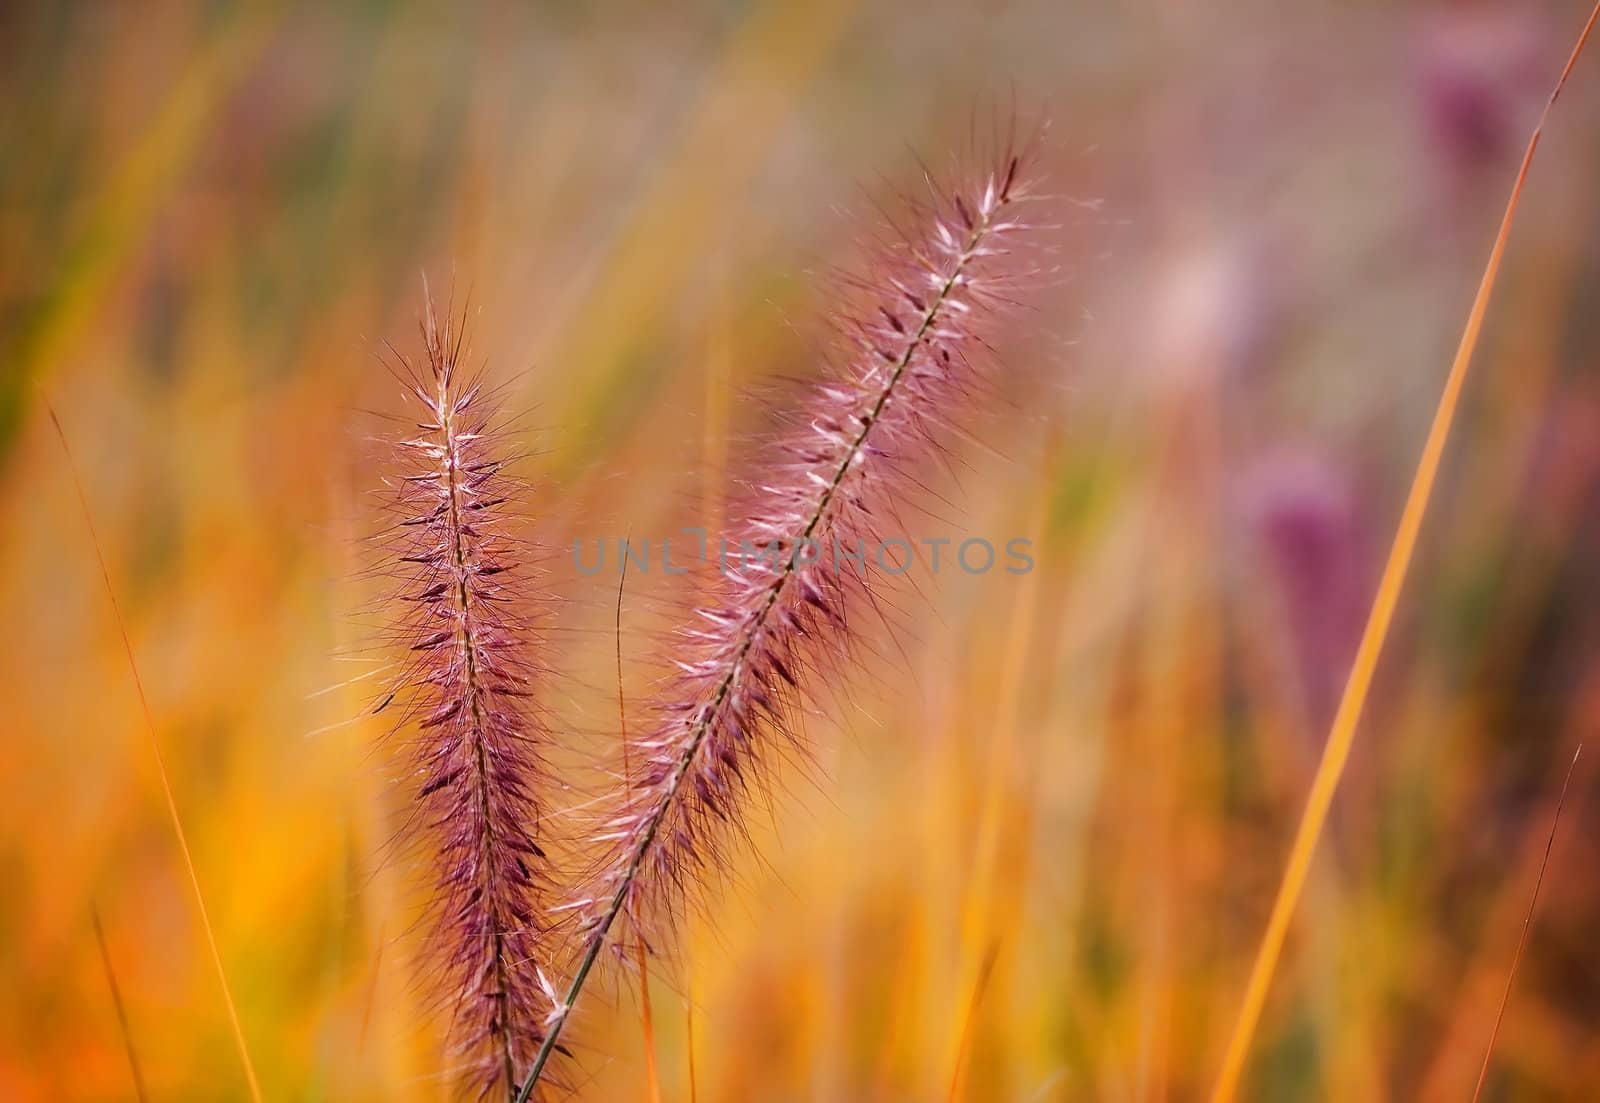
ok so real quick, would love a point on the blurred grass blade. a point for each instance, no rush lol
(124, 211)
(161, 766)
(652, 1075)
(1527, 923)
(766, 67)
(1342, 735)
(688, 1045)
(116, 1003)
(367, 999)
(964, 1051)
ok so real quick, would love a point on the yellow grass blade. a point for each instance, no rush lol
(123, 212)
(964, 1050)
(368, 998)
(688, 1028)
(161, 768)
(1342, 735)
(981, 905)
(652, 1075)
(765, 69)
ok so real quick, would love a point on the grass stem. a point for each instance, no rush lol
(1342, 735)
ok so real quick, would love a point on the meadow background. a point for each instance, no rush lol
(1077, 786)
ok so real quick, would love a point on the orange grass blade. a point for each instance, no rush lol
(161, 766)
(980, 905)
(688, 1027)
(965, 1050)
(652, 1076)
(1527, 922)
(368, 999)
(116, 1002)
(1342, 735)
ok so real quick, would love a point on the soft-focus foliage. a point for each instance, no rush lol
(1086, 775)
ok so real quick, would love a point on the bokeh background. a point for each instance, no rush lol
(1040, 838)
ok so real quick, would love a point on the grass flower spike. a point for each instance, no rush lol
(472, 738)
(913, 331)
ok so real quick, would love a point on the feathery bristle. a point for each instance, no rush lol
(913, 332)
(473, 752)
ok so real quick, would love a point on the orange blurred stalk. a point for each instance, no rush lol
(1527, 922)
(116, 1002)
(161, 767)
(652, 1076)
(367, 1000)
(1337, 750)
(688, 1027)
(958, 1076)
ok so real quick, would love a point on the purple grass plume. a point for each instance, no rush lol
(913, 331)
(471, 735)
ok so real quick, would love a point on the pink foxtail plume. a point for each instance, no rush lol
(472, 739)
(914, 331)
